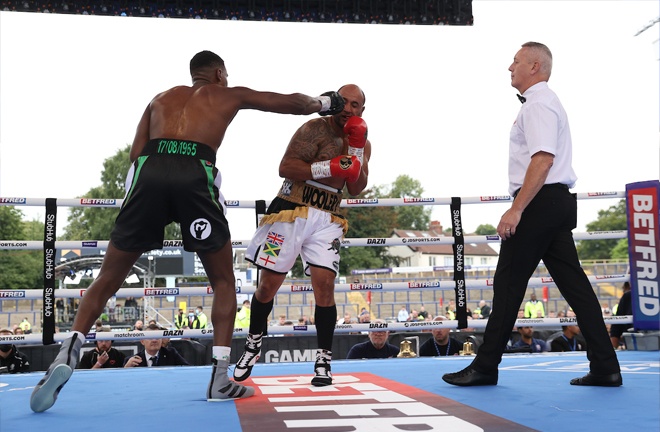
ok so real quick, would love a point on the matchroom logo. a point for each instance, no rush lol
(357, 402)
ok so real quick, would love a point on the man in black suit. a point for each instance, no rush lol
(154, 354)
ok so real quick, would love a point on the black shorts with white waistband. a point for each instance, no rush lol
(172, 180)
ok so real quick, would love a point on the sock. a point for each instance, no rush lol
(80, 336)
(221, 352)
(325, 319)
(259, 315)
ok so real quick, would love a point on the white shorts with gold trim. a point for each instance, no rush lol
(313, 234)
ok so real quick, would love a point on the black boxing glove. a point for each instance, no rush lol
(331, 103)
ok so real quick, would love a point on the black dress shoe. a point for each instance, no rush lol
(470, 377)
(611, 380)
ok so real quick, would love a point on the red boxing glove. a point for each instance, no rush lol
(347, 167)
(356, 130)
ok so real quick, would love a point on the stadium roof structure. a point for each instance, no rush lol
(84, 267)
(412, 12)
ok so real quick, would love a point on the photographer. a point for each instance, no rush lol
(11, 359)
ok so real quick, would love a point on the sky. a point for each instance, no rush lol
(439, 99)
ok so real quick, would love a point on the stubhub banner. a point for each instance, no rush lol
(643, 214)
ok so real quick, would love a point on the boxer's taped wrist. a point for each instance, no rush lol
(321, 170)
(326, 102)
(357, 152)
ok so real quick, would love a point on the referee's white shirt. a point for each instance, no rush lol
(541, 125)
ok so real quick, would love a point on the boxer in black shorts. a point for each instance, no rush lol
(173, 177)
(189, 194)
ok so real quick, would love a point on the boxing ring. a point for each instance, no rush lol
(367, 395)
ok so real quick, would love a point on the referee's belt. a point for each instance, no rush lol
(550, 186)
(312, 194)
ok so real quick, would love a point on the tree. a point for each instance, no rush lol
(366, 222)
(408, 217)
(20, 269)
(486, 229)
(94, 223)
(620, 251)
(612, 219)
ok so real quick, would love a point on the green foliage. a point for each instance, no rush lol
(366, 222)
(93, 223)
(20, 269)
(611, 219)
(620, 251)
(408, 217)
(486, 229)
(11, 226)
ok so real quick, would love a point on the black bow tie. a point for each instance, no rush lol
(522, 99)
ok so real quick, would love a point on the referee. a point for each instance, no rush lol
(538, 226)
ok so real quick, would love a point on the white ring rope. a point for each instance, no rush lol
(355, 202)
(298, 330)
(242, 244)
(37, 294)
(302, 329)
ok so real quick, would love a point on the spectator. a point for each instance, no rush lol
(98, 325)
(526, 340)
(423, 313)
(25, 326)
(59, 306)
(131, 303)
(242, 319)
(191, 318)
(403, 315)
(440, 344)
(138, 326)
(11, 358)
(450, 310)
(483, 310)
(534, 308)
(112, 306)
(154, 354)
(200, 318)
(569, 340)
(376, 347)
(414, 316)
(181, 320)
(346, 320)
(104, 356)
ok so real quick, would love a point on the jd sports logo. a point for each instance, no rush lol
(200, 229)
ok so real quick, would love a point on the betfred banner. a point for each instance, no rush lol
(643, 214)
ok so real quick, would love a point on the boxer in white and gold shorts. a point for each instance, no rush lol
(302, 220)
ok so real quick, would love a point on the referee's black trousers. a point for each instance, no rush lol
(545, 233)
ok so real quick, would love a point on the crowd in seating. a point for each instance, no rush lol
(447, 12)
